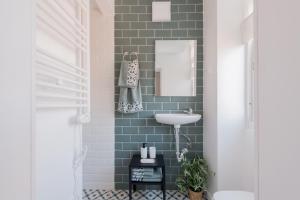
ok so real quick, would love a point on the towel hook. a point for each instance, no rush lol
(134, 54)
(125, 54)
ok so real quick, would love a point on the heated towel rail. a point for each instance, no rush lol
(62, 75)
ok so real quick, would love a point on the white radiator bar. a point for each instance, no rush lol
(53, 86)
(74, 98)
(57, 67)
(41, 21)
(39, 106)
(60, 84)
(70, 18)
(53, 58)
(58, 20)
(60, 79)
(80, 3)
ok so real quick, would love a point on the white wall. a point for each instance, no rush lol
(231, 94)
(57, 134)
(36, 149)
(15, 101)
(210, 136)
(99, 134)
(278, 99)
(57, 137)
(227, 143)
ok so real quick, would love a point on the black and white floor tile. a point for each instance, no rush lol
(138, 195)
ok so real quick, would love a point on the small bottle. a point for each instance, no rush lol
(152, 152)
(144, 151)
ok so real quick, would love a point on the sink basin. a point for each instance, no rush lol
(177, 119)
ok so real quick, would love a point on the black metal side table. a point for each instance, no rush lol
(135, 163)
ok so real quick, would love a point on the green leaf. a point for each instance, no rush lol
(194, 175)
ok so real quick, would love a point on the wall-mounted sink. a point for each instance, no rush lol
(177, 119)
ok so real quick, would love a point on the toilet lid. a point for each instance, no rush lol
(233, 195)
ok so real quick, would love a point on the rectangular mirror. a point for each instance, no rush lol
(175, 67)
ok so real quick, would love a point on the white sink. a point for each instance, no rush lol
(177, 119)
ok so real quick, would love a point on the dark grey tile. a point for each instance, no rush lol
(118, 162)
(121, 170)
(145, 2)
(162, 146)
(122, 9)
(145, 16)
(118, 18)
(178, 2)
(122, 25)
(146, 49)
(170, 106)
(152, 122)
(118, 130)
(131, 17)
(187, 8)
(118, 146)
(130, 146)
(123, 41)
(187, 105)
(146, 114)
(130, 130)
(122, 122)
(199, 8)
(134, 31)
(138, 138)
(154, 106)
(138, 122)
(138, 41)
(170, 25)
(130, 33)
(138, 9)
(194, 16)
(195, 33)
(163, 130)
(179, 16)
(187, 24)
(154, 138)
(168, 138)
(138, 25)
(118, 178)
(148, 98)
(122, 154)
(122, 138)
(146, 130)
(154, 25)
(179, 33)
(146, 33)
(130, 2)
(163, 33)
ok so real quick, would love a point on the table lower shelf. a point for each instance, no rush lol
(146, 183)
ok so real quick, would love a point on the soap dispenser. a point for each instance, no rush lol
(144, 151)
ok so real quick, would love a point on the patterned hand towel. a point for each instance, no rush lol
(130, 100)
(129, 74)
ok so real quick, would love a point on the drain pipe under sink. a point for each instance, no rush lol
(179, 155)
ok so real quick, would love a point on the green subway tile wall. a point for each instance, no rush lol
(134, 31)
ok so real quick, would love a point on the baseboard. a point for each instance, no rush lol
(209, 196)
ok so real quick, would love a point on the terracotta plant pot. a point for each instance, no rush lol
(195, 195)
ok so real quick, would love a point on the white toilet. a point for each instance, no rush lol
(233, 195)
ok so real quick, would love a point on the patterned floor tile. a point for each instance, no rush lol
(138, 195)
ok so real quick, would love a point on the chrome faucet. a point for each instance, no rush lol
(189, 111)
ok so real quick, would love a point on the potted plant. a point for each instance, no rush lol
(194, 177)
